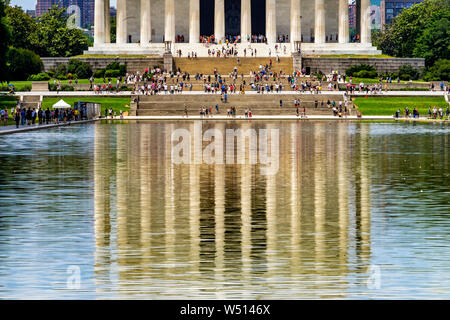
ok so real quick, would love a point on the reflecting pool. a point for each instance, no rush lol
(99, 211)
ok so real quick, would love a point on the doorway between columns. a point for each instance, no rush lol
(207, 17)
(232, 17)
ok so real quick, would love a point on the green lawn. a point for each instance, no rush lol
(21, 85)
(377, 80)
(86, 81)
(115, 55)
(116, 104)
(386, 106)
(8, 102)
(351, 56)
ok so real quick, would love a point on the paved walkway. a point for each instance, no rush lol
(248, 92)
(12, 128)
(261, 117)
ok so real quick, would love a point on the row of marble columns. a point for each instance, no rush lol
(102, 21)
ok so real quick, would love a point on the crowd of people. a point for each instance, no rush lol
(433, 113)
(30, 116)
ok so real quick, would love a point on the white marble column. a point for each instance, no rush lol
(107, 22)
(121, 20)
(170, 21)
(343, 21)
(319, 28)
(246, 20)
(146, 24)
(365, 22)
(296, 25)
(194, 21)
(99, 22)
(271, 21)
(219, 20)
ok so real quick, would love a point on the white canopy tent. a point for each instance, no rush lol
(61, 104)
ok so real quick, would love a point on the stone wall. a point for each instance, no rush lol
(133, 64)
(326, 65)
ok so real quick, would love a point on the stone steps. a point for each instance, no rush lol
(254, 99)
(266, 104)
(259, 105)
(226, 65)
(239, 111)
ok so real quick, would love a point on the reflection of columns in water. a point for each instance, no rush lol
(295, 208)
(365, 194)
(219, 213)
(122, 192)
(102, 224)
(246, 207)
(194, 205)
(169, 200)
(271, 213)
(342, 190)
(144, 168)
(319, 193)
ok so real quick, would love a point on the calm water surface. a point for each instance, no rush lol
(356, 210)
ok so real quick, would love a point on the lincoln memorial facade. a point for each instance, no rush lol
(318, 26)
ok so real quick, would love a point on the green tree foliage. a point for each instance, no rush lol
(4, 41)
(440, 71)
(434, 43)
(21, 26)
(113, 29)
(53, 38)
(81, 69)
(22, 63)
(362, 70)
(415, 31)
(407, 72)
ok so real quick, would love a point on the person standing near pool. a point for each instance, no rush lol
(47, 116)
(17, 118)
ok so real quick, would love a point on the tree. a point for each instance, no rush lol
(21, 26)
(4, 41)
(440, 71)
(22, 63)
(113, 29)
(81, 69)
(434, 43)
(53, 38)
(406, 32)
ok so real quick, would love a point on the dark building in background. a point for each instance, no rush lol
(31, 13)
(392, 8)
(352, 15)
(86, 9)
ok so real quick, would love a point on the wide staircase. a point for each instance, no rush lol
(225, 66)
(267, 104)
(199, 85)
